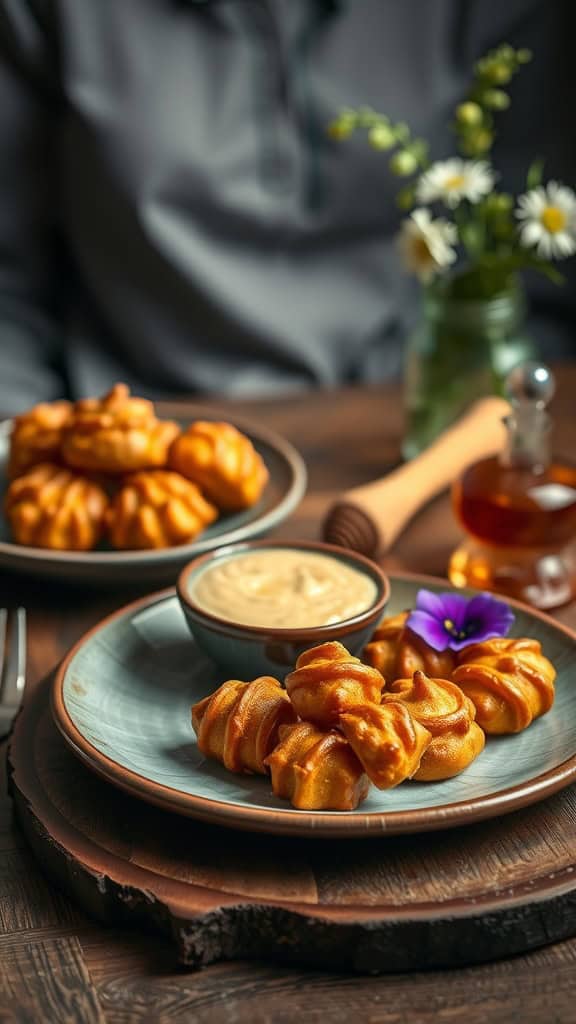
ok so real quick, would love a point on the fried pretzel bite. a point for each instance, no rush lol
(157, 509)
(327, 681)
(509, 681)
(52, 507)
(444, 710)
(316, 770)
(238, 724)
(387, 740)
(116, 434)
(397, 652)
(37, 436)
(222, 461)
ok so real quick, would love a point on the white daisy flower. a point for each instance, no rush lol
(426, 244)
(547, 216)
(454, 180)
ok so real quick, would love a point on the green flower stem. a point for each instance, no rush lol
(462, 349)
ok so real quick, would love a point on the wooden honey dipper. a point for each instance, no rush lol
(368, 519)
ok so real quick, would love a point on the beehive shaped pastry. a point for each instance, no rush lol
(157, 509)
(327, 681)
(316, 770)
(387, 740)
(222, 461)
(238, 724)
(37, 436)
(444, 710)
(116, 434)
(52, 507)
(397, 652)
(509, 681)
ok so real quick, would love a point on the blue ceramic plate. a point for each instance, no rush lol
(283, 493)
(122, 701)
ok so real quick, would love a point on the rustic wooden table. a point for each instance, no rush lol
(57, 965)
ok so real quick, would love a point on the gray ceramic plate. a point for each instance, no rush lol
(283, 492)
(122, 701)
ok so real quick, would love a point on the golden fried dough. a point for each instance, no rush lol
(387, 740)
(509, 681)
(397, 652)
(316, 770)
(116, 434)
(37, 436)
(222, 461)
(52, 507)
(327, 681)
(442, 708)
(157, 509)
(238, 724)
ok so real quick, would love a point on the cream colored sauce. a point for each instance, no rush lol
(283, 587)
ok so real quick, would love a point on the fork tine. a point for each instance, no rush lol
(14, 675)
(3, 630)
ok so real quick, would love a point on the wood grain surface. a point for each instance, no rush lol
(58, 964)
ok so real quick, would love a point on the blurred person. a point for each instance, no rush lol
(174, 215)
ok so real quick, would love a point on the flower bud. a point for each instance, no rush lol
(499, 73)
(381, 137)
(403, 163)
(341, 128)
(496, 99)
(524, 56)
(405, 198)
(479, 143)
(469, 114)
(501, 202)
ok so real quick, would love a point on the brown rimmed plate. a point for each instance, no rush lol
(283, 492)
(122, 701)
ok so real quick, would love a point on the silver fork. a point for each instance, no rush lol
(12, 666)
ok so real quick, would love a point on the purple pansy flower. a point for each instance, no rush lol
(452, 621)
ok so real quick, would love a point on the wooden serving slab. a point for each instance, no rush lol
(438, 899)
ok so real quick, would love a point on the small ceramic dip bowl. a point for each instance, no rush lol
(254, 607)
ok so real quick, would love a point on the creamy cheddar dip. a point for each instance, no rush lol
(283, 587)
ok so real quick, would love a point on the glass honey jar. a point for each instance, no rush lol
(519, 508)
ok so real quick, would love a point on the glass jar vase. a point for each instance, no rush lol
(462, 349)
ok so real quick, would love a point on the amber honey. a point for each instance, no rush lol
(519, 508)
(512, 507)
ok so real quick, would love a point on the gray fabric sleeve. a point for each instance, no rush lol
(30, 331)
